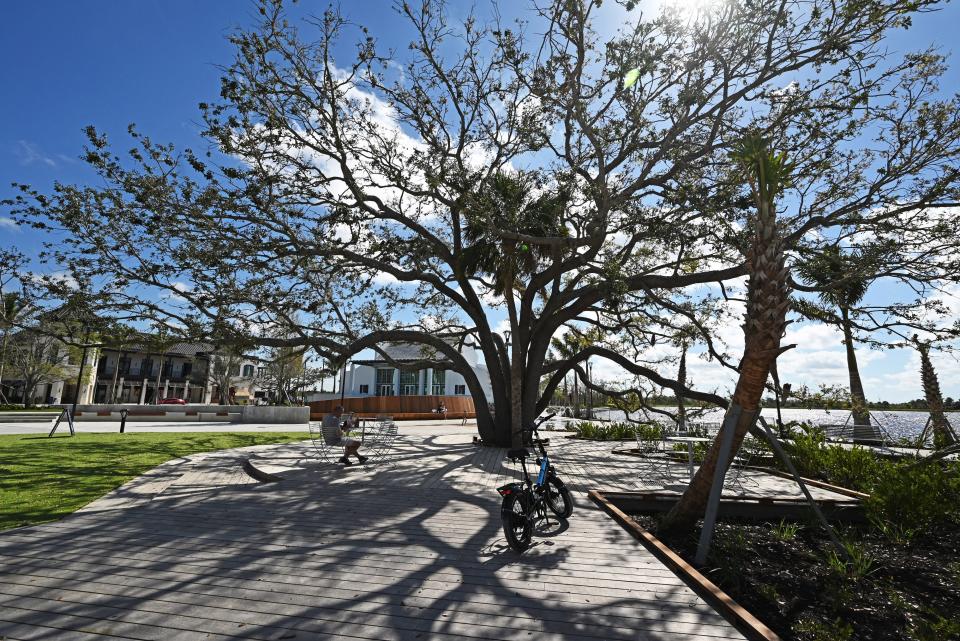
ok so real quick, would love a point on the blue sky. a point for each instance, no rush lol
(68, 64)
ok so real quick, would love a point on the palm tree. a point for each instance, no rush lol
(768, 298)
(12, 308)
(682, 378)
(159, 343)
(842, 282)
(567, 347)
(506, 205)
(943, 434)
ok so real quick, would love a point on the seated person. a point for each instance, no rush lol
(333, 435)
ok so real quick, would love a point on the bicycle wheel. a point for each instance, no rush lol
(558, 498)
(517, 526)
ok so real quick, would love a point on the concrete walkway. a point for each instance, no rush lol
(410, 548)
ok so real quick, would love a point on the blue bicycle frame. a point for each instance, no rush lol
(544, 466)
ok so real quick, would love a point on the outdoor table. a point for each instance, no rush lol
(689, 440)
(362, 424)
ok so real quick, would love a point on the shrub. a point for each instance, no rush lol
(616, 431)
(908, 500)
(806, 450)
(856, 468)
(648, 431)
(699, 451)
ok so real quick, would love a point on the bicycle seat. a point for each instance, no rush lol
(520, 453)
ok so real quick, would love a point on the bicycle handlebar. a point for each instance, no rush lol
(538, 423)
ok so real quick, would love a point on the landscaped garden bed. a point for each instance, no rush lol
(897, 576)
(789, 576)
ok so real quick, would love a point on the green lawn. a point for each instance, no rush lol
(43, 479)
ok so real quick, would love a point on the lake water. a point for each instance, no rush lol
(898, 424)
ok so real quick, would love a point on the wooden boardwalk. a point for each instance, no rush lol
(408, 549)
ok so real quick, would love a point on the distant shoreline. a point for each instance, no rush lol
(605, 408)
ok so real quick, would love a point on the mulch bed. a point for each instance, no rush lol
(907, 592)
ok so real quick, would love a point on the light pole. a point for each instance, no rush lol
(590, 387)
(343, 381)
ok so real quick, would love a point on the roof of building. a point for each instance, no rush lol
(405, 353)
(176, 349)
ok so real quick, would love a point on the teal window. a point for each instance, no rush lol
(439, 382)
(409, 382)
(385, 381)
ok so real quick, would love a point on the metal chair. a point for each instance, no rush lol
(742, 459)
(655, 457)
(382, 443)
(324, 444)
(704, 428)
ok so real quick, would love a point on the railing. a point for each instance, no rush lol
(851, 433)
(397, 405)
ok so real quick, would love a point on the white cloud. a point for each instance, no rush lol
(815, 336)
(7, 223)
(178, 286)
(30, 153)
(61, 277)
(385, 278)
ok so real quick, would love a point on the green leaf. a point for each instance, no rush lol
(631, 78)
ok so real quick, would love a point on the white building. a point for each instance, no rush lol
(382, 377)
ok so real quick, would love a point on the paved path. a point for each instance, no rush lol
(11, 427)
(408, 549)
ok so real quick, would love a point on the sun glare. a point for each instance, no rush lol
(692, 7)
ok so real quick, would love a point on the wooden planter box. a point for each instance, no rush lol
(618, 505)
(748, 625)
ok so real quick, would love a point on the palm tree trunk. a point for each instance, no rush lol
(942, 434)
(768, 298)
(682, 378)
(857, 398)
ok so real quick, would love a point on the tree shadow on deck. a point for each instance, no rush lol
(377, 554)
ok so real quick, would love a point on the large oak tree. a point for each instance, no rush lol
(354, 197)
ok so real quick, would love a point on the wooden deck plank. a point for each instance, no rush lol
(314, 615)
(652, 614)
(482, 601)
(408, 548)
(159, 551)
